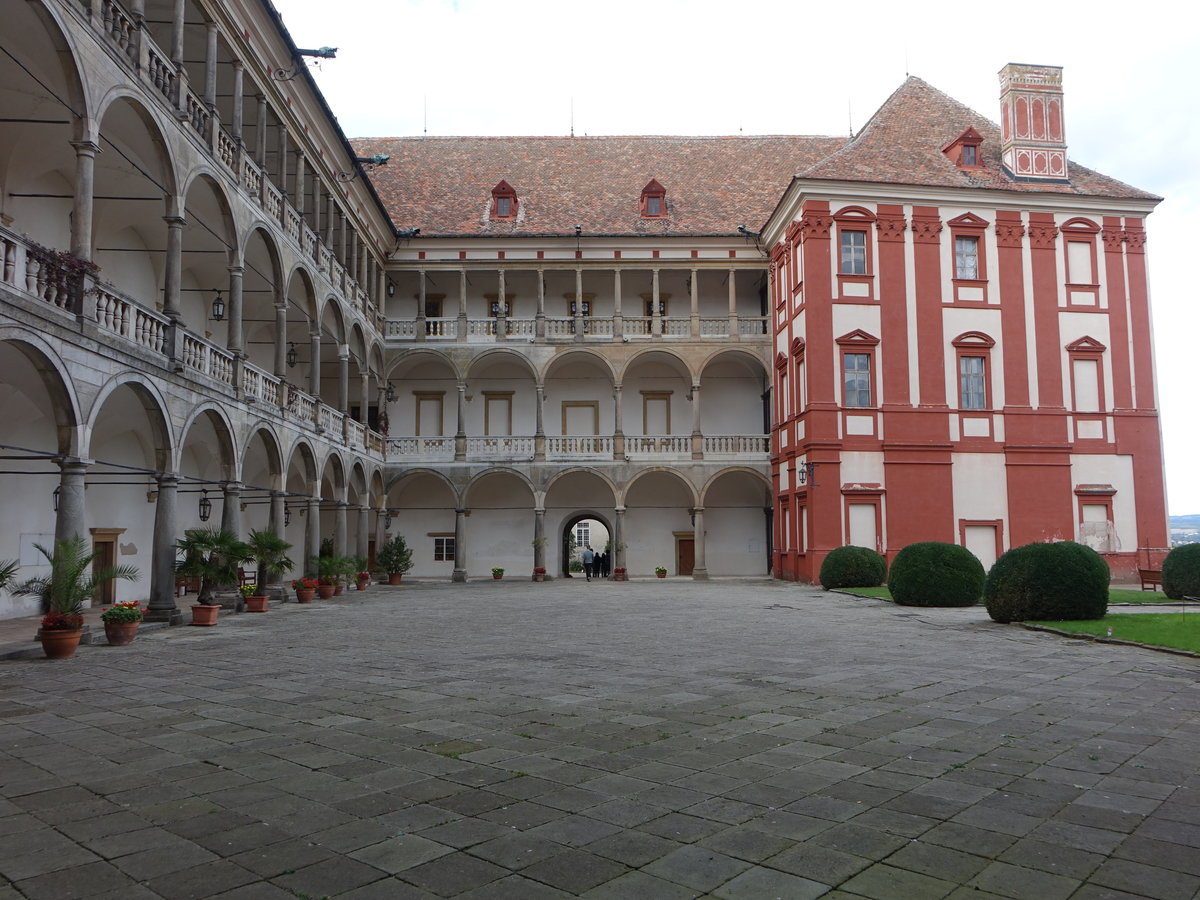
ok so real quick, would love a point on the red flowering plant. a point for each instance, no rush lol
(540, 570)
(61, 621)
(123, 613)
(304, 584)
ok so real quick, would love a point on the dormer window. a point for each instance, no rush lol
(654, 200)
(964, 150)
(504, 201)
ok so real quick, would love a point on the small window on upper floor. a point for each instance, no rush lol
(964, 149)
(504, 201)
(654, 200)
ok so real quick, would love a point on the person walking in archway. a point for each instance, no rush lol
(589, 558)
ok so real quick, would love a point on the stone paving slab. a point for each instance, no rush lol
(730, 739)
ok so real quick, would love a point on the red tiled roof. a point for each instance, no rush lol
(902, 144)
(443, 185)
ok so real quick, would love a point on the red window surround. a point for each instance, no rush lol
(969, 227)
(1080, 262)
(859, 342)
(850, 222)
(974, 344)
(964, 150)
(504, 201)
(654, 200)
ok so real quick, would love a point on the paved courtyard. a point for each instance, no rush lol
(647, 740)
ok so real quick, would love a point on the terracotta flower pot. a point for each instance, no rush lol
(205, 615)
(305, 595)
(257, 604)
(362, 583)
(325, 591)
(60, 643)
(337, 589)
(619, 574)
(539, 576)
(661, 574)
(120, 634)
(496, 577)
(394, 577)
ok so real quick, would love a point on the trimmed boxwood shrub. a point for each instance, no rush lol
(1056, 582)
(1181, 572)
(851, 566)
(932, 573)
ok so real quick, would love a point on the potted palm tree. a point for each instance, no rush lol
(395, 558)
(270, 551)
(362, 576)
(212, 555)
(8, 571)
(70, 583)
(329, 569)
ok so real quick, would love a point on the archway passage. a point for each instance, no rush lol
(598, 529)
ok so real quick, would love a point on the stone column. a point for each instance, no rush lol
(539, 434)
(275, 522)
(697, 435)
(695, 298)
(340, 528)
(81, 209)
(161, 607)
(460, 434)
(281, 165)
(177, 21)
(312, 533)
(314, 364)
(501, 311)
(655, 313)
(71, 517)
(210, 65)
(235, 124)
(734, 330)
(699, 570)
(421, 326)
(364, 395)
(235, 341)
(618, 320)
(460, 546)
(618, 537)
(577, 325)
(352, 266)
(364, 523)
(316, 211)
(280, 340)
(172, 267)
(343, 398)
(301, 185)
(462, 304)
(330, 218)
(343, 235)
(231, 509)
(260, 132)
(618, 424)
(539, 322)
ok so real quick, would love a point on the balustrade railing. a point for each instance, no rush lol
(356, 434)
(754, 326)
(197, 114)
(637, 326)
(714, 327)
(226, 149)
(736, 444)
(120, 316)
(441, 328)
(677, 327)
(500, 447)
(119, 27)
(658, 444)
(421, 449)
(160, 72)
(207, 358)
(579, 447)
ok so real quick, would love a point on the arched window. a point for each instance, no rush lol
(504, 201)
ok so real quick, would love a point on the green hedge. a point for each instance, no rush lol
(932, 573)
(1062, 581)
(1181, 572)
(848, 567)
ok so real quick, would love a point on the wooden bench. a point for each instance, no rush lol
(1151, 578)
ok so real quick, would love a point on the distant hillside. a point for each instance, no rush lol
(1191, 523)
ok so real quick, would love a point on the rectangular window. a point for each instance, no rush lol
(966, 258)
(583, 534)
(972, 383)
(854, 253)
(1079, 262)
(856, 372)
(443, 549)
(503, 207)
(653, 206)
(1087, 385)
(970, 155)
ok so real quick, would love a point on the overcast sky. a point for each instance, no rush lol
(534, 67)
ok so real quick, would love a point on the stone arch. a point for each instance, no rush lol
(669, 355)
(576, 354)
(152, 403)
(262, 285)
(736, 503)
(230, 459)
(500, 354)
(421, 506)
(500, 527)
(664, 470)
(55, 380)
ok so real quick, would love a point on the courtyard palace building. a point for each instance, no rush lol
(735, 353)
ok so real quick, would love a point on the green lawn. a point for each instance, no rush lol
(1178, 630)
(1115, 595)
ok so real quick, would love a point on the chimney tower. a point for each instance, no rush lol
(1031, 122)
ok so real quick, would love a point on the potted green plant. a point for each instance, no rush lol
(8, 571)
(213, 555)
(305, 588)
(660, 571)
(270, 551)
(497, 572)
(329, 569)
(362, 576)
(395, 558)
(121, 621)
(255, 602)
(70, 583)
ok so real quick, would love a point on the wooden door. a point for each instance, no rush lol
(105, 548)
(685, 555)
